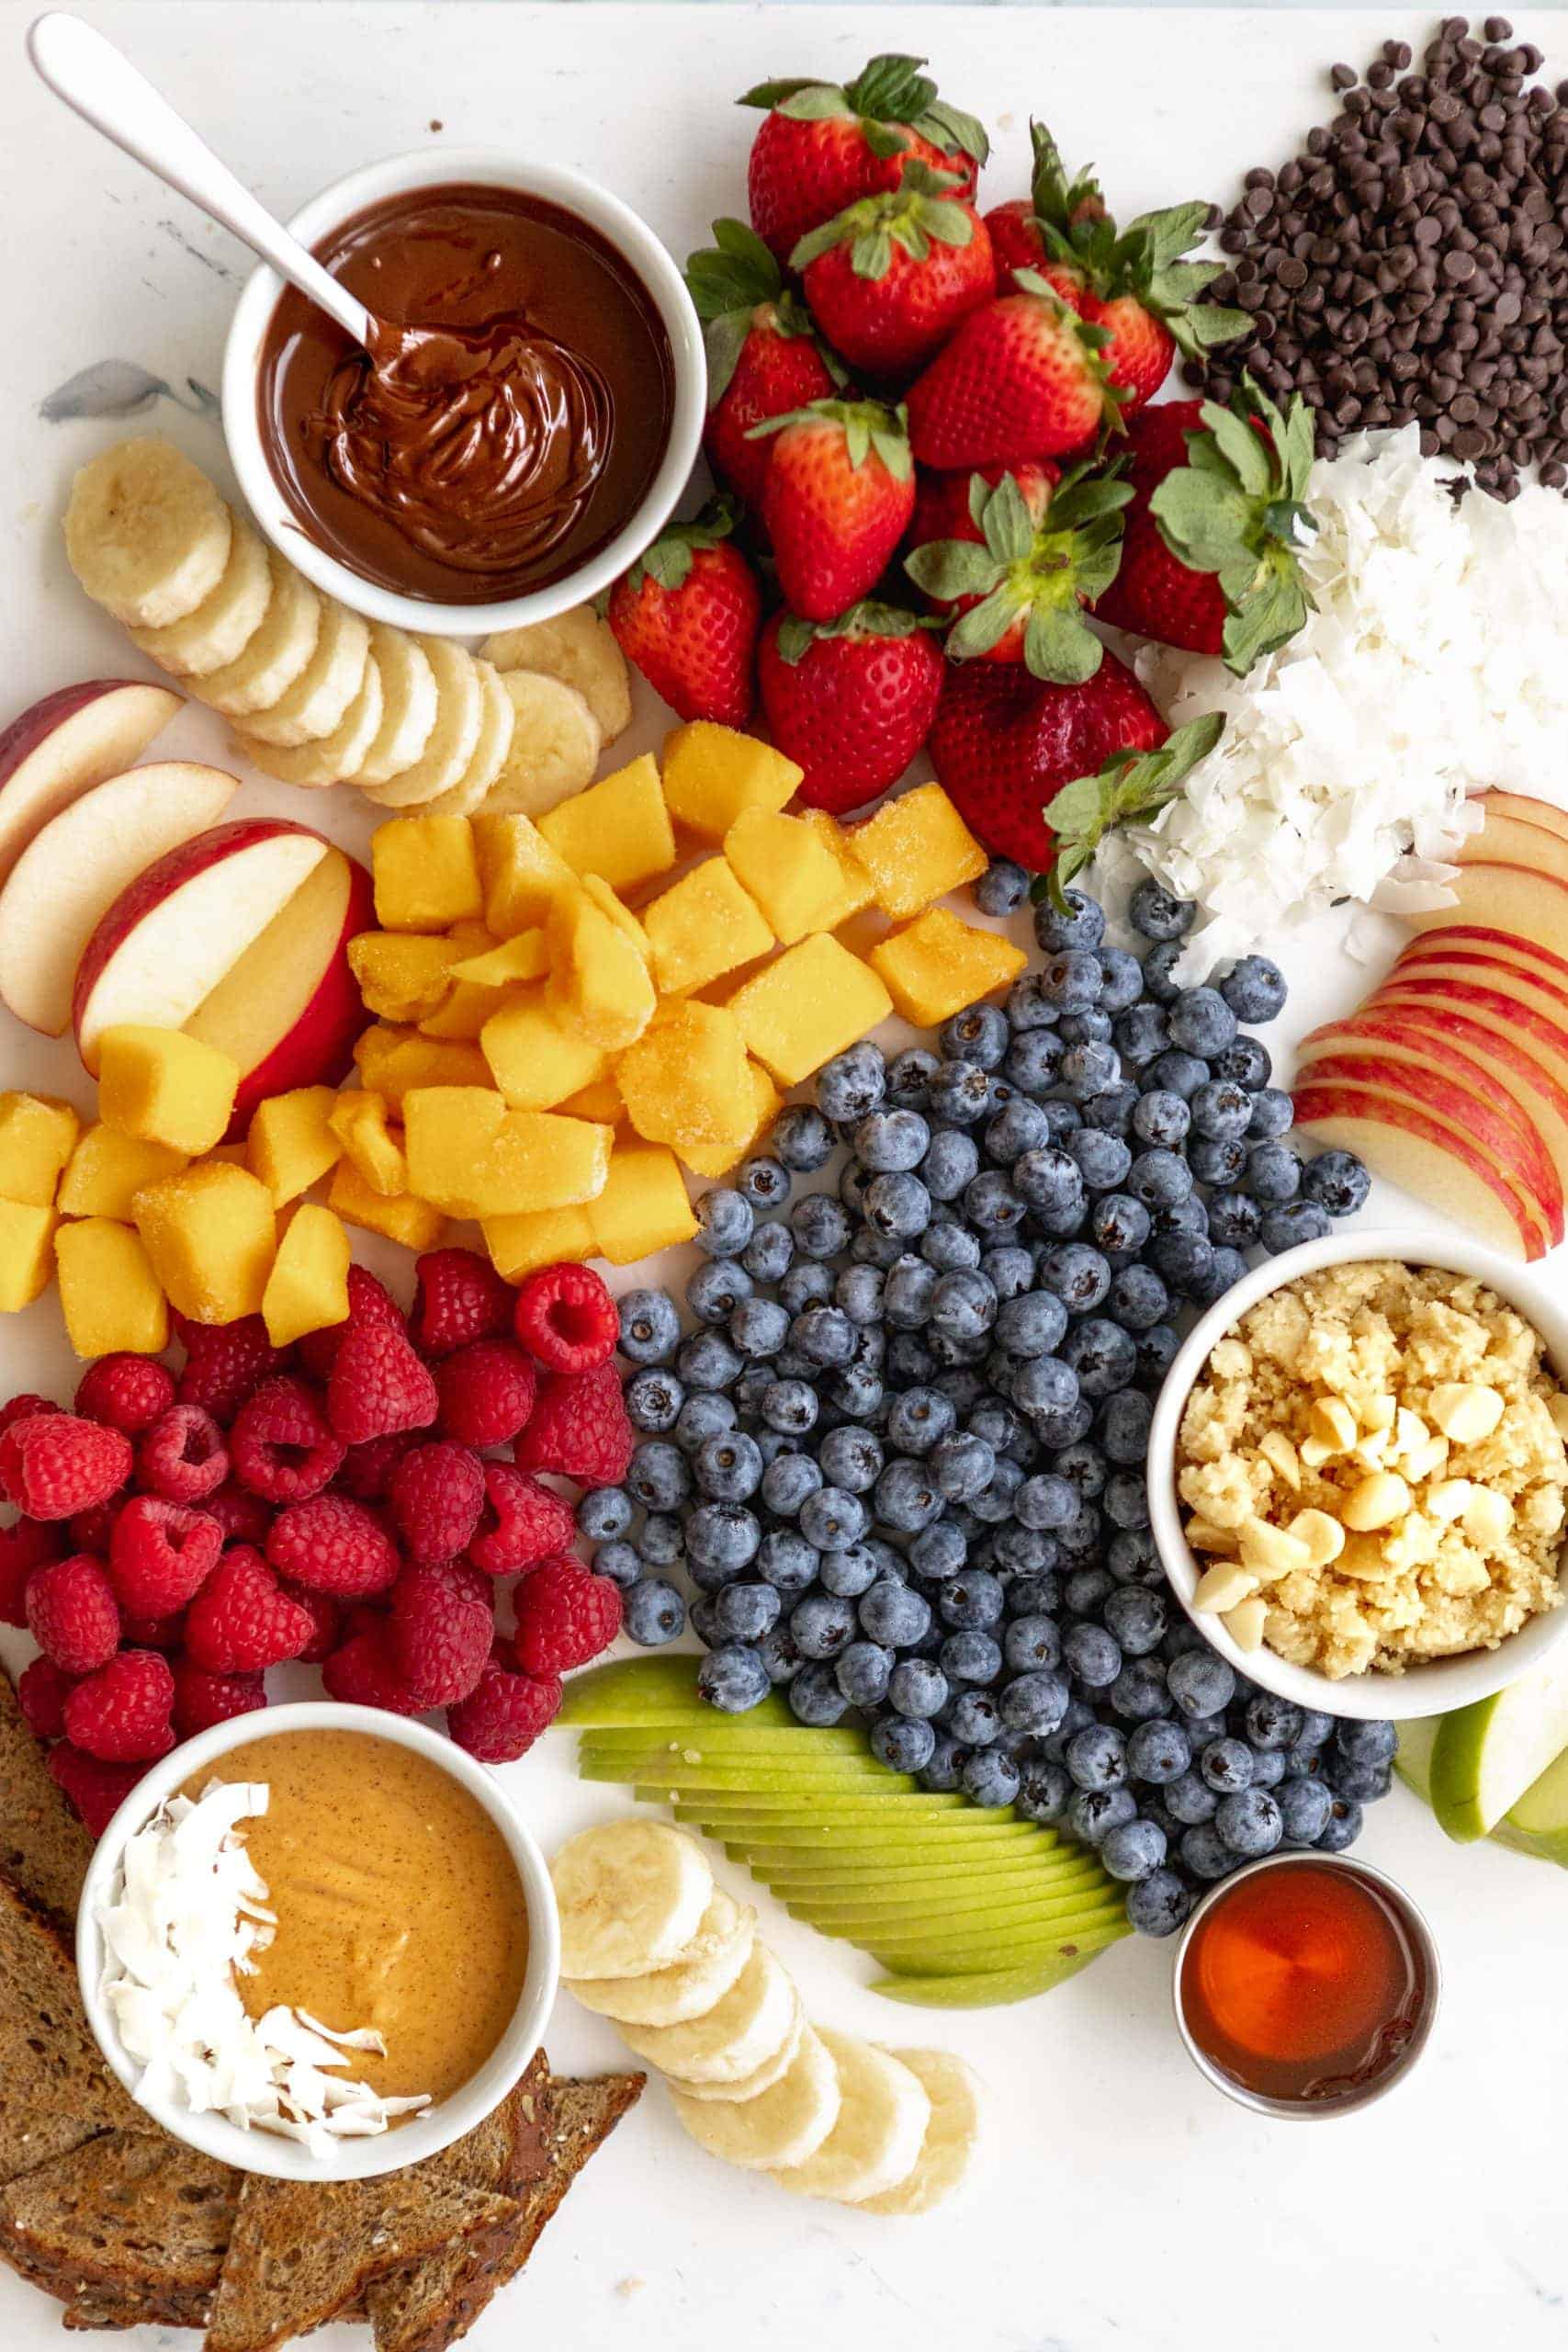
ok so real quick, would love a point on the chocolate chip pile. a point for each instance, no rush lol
(1410, 262)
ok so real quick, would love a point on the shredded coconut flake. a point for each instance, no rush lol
(186, 1915)
(1431, 672)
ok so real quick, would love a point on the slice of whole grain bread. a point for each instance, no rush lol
(44, 1849)
(55, 2090)
(131, 2227)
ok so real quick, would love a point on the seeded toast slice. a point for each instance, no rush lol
(55, 2090)
(132, 2226)
(44, 1849)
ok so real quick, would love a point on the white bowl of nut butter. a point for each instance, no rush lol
(1357, 1474)
(318, 1943)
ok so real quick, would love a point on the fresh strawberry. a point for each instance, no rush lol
(1004, 742)
(1131, 787)
(823, 146)
(850, 700)
(889, 278)
(763, 359)
(1025, 376)
(837, 501)
(1019, 576)
(943, 508)
(687, 613)
(1213, 537)
(1133, 283)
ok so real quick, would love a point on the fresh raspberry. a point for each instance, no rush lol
(578, 1428)
(166, 1632)
(243, 1518)
(326, 1617)
(333, 1545)
(227, 1364)
(73, 1615)
(41, 1693)
(363, 1673)
(53, 1464)
(93, 1531)
(505, 1713)
(566, 1615)
(121, 1715)
(379, 1384)
(521, 1522)
(443, 1624)
(458, 1298)
(23, 1548)
(126, 1392)
(566, 1318)
(366, 1471)
(242, 1619)
(368, 1302)
(23, 1409)
(160, 1554)
(282, 1446)
(486, 1391)
(183, 1457)
(203, 1698)
(97, 1790)
(438, 1492)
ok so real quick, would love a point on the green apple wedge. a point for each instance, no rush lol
(631, 1690)
(985, 1954)
(1023, 1918)
(768, 1774)
(1486, 1756)
(993, 1988)
(956, 1882)
(724, 1739)
(936, 1900)
(1538, 1824)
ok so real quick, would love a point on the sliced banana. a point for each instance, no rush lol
(315, 704)
(747, 2026)
(781, 2126)
(496, 723)
(450, 744)
(876, 2142)
(222, 624)
(952, 2135)
(332, 759)
(761, 2078)
(555, 746)
(145, 533)
(408, 704)
(691, 1987)
(279, 652)
(632, 1895)
(579, 648)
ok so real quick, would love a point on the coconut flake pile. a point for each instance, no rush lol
(1432, 670)
(186, 1915)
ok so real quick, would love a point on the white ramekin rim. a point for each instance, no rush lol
(423, 2135)
(1441, 1684)
(488, 167)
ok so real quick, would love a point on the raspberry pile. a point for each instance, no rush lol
(374, 1501)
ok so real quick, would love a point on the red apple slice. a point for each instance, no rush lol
(1527, 811)
(1509, 840)
(71, 873)
(168, 940)
(1515, 975)
(1505, 1017)
(66, 743)
(1475, 939)
(1417, 1152)
(290, 1010)
(1501, 1129)
(1507, 897)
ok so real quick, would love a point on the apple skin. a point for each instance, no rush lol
(70, 740)
(1526, 811)
(1431, 955)
(1504, 893)
(319, 1048)
(1360, 1117)
(1473, 938)
(1500, 1128)
(1478, 1059)
(1508, 839)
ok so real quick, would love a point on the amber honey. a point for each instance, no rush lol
(1304, 1983)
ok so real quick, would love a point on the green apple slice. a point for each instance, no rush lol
(658, 1760)
(998, 1923)
(951, 1829)
(1539, 1823)
(766, 1776)
(1412, 1757)
(749, 1807)
(992, 1988)
(1486, 1757)
(984, 1956)
(939, 1899)
(626, 1690)
(727, 1735)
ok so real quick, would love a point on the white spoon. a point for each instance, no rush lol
(105, 90)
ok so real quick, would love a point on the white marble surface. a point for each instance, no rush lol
(1126, 2204)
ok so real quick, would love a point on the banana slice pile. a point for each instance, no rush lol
(649, 1939)
(316, 694)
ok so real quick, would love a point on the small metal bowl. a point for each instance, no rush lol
(1315, 2110)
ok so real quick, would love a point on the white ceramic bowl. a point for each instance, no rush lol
(434, 2127)
(486, 167)
(1442, 1684)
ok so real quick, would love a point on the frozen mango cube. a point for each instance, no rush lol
(715, 1160)
(527, 957)
(599, 1100)
(938, 965)
(398, 1215)
(38, 1134)
(164, 1087)
(855, 890)
(807, 1006)
(705, 924)
(686, 1080)
(793, 875)
(292, 1143)
(211, 1235)
(402, 975)
(110, 1292)
(373, 1141)
(535, 1058)
(307, 1287)
(915, 849)
(618, 829)
(392, 1060)
(427, 873)
(106, 1171)
(472, 1157)
(712, 774)
(461, 1015)
(599, 981)
(616, 911)
(536, 1237)
(643, 1207)
(27, 1253)
(523, 874)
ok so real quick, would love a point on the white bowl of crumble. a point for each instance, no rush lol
(1357, 1473)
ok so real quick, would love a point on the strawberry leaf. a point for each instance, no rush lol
(892, 88)
(736, 272)
(1008, 524)
(984, 626)
(770, 96)
(668, 562)
(1058, 646)
(953, 130)
(1131, 787)
(948, 569)
(1235, 511)
(866, 620)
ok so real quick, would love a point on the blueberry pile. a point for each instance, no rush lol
(901, 1456)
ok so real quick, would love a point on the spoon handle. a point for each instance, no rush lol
(105, 89)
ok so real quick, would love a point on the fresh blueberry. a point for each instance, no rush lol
(1032, 1644)
(1091, 1028)
(1120, 1225)
(815, 1697)
(789, 1405)
(1122, 980)
(1248, 1824)
(787, 1562)
(652, 1613)
(1081, 923)
(1157, 1752)
(979, 1034)
(1159, 1904)
(822, 1625)
(973, 1719)
(1138, 1692)
(1043, 1388)
(903, 1743)
(1273, 1173)
(1027, 1006)
(733, 1677)
(1072, 980)
(971, 1657)
(1188, 1798)
(993, 1207)
(964, 1305)
(1090, 1069)
(852, 1458)
(832, 1520)
(1000, 889)
(1160, 984)
(1161, 1118)
(1184, 1261)
(849, 1573)
(744, 1613)
(653, 1399)
(1272, 1114)
(824, 1336)
(728, 1468)
(853, 1083)
(1079, 1275)
(897, 1206)
(706, 1361)
(1287, 1228)
(661, 1540)
(1227, 1765)
(758, 1328)
(1123, 1427)
(919, 1419)
(917, 1688)
(1200, 1683)
(990, 1778)
(888, 1142)
(960, 1093)
(1009, 1267)
(725, 1221)
(1097, 1758)
(650, 1326)
(1181, 1074)
(1034, 1702)
(621, 1562)
(971, 1601)
(1153, 910)
(1338, 1182)
(722, 1537)
(909, 1076)
(906, 1498)
(1201, 1021)
(1133, 1850)
(1102, 1354)
(1044, 1791)
(716, 1290)
(1103, 1159)
(801, 1139)
(1047, 1502)
(1371, 1742)
(1142, 1034)
(1159, 1179)
(1235, 1220)
(1254, 989)
(1049, 1178)
(604, 1513)
(862, 1672)
(961, 1466)
(1020, 1127)
(657, 1475)
(764, 1181)
(768, 1255)
(1093, 1814)
(821, 1225)
(1032, 1057)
